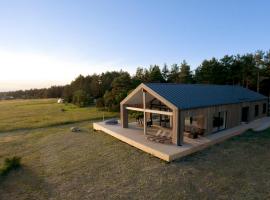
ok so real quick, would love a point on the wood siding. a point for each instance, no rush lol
(234, 114)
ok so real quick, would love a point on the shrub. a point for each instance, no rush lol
(81, 98)
(100, 103)
(9, 164)
(136, 115)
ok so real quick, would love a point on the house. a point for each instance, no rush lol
(171, 111)
(6, 98)
(60, 100)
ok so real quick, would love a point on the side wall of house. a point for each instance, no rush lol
(234, 114)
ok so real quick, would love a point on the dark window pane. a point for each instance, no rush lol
(256, 110)
(264, 108)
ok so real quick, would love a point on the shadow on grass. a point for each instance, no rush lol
(19, 182)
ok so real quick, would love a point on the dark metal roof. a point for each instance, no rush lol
(187, 96)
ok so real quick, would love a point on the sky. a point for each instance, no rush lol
(50, 42)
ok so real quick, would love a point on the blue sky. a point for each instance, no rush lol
(52, 41)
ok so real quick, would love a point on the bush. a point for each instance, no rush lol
(136, 115)
(9, 164)
(114, 108)
(81, 98)
(100, 103)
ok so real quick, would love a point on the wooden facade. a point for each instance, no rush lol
(233, 114)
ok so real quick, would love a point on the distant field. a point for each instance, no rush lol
(59, 164)
(22, 114)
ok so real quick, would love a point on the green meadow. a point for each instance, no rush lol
(60, 164)
(27, 114)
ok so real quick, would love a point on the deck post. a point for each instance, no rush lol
(144, 113)
(175, 127)
(171, 121)
(178, 127)
(181, 128)
(124, 116)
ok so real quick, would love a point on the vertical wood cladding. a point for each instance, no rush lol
(234, 113)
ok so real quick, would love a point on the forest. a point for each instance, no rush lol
(106, 90)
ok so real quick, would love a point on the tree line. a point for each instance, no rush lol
(108, 89)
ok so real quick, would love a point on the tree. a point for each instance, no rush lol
(81, 98)
(146, 75)
(265, 74)
(106, 80)
(122, 83)
(267, 64)
(78, 83)
(96, 86)
(232, 65)
(100, 103)
(248, 66)
(155, 75)
(140, 74)
(173, 76)
(109, 100)
(165, 72)
(120, 87)
(211, 72)
(185, 75)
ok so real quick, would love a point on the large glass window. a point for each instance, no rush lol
(195, 123)
(219, 121)
(264, 108)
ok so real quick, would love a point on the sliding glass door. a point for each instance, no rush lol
(219, 121)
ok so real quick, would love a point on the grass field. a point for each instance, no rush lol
(59, 164)
(25, 114)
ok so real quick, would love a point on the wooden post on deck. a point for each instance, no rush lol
(144, 113)
(181, 127)
(124, 116)
(178, 127)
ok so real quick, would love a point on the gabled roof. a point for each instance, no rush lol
(187, 96)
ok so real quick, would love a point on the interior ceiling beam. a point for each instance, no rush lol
(150, 111)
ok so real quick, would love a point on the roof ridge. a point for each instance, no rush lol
(200, 95)
(202, 84)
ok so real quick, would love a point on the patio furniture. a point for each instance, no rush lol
(161, 136)
(111, 121)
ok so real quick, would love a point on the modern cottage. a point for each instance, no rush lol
(171, 111)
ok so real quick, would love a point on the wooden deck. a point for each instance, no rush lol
(168, 152)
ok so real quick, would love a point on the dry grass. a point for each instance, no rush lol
(59, 164)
